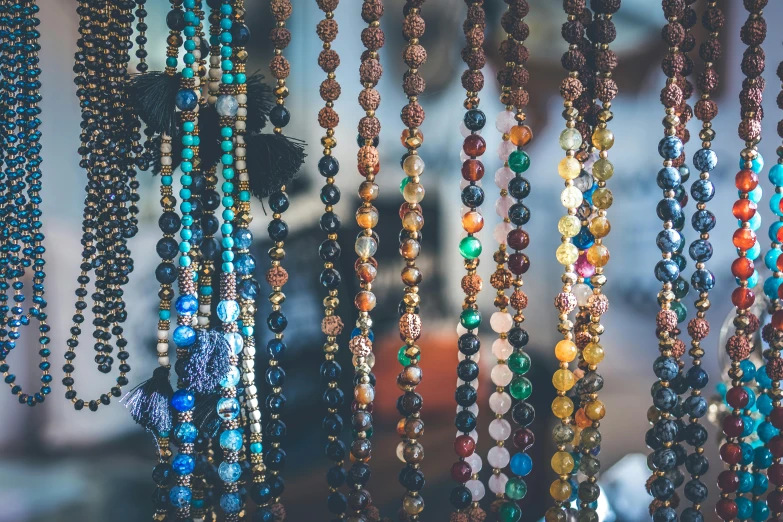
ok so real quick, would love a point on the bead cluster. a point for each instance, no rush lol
(410, 428)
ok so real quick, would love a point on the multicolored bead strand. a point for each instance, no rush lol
(329, 251)
(410, 428)
(513, 362)
(739, 345)
(567, 255)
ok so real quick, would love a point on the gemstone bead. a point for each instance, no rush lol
(228, 408)
(229, 471)
(470, 247)
(184, 336)
(228, 311)
(521, 464)
(227, 106)
(519, 161)
(569, 168)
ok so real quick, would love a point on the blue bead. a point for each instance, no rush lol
(275, 348)
(184, 336)
(748, 370)
(256, 447)
(747, 426)
(186, 304)
(700, 250)
(744, 508)
(764, 404)
(773, 232)
(754, 252)
(186, 433)
(186, 99)
(745, 481)
(245, 264)
(183, 400)
(760, 483)
(703, 280)
(669, 178)
(229, 471)
(762, 457)
(755, 195)
(703, 220)
(776, 174)
(705, 160)
(276, 321)
(762, 379)
(774, 204)
(669, 209)
(702, 190)
(243, 238)
(670, 147)
(231, 440)
(758, 164)
(666, 271)
(183, 464)
(230, 503)
(746, 455)
(228, 311)
(521, 464)
(668, 240)
(753, 280)
(231, 379)
(754, 223)
(771, 258)
(228, 408)
(665, 368)
(696, 406)
(235, 342)
(248, 289)
(584, 239)
(771, 285)
(180, 496)
(766, 431)
(760, 511)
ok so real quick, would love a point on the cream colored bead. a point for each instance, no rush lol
(255, 415)
(162, 347)
(163, 361)
(255, 427)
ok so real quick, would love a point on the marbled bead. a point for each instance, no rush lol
(227, 106)
(229, 471)
(228, 311)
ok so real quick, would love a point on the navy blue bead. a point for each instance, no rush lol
(186, 99)
(519, 214)
(666, 271)
(703, 280)
(584, 239)
(275, 429)
(275, 376)
(662, 488)
(275, 403)
(277, 230)
(264, 514)
(664, 514)
(279, 116)
(330, 278)
(169, 222)
(469, 344)
(668, 240)
(696, 435)
(669, 178)
(697, 377)
(278, 202)
(335, 450)
(276, 321)
(467, 370)
(260, 492)
(330, 370)
(665, 368)
(664, 459)
(330, 222)
(475, 120)
(275, 348)
(333, 397)
(696, 406)
(703, 190)
(705, 160)
(243, 238)
(703, 220)
(240, 34)
(329, 250)
(664, 399)
(249, 289)
(332, 424)
(665, 430)
(465, 395)
(335, 477)
(328, 166)
(336, 503)
(465, 421)
(668, 209)
(166, 273)
(330, 195)
(670, 147)
(690, 514)
(700, 250)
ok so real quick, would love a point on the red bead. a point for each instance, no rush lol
(726, 509)
(775, 474)
(518, 263)
(744, 238)
(742, 267)
(475, 145)
(731, 453)
(743, 298)
(775, 503)
(460, 471)
(776, 417)
(737, 397)
(732, 426)
(518, 239)
(777, 317)
(744, 209)
(472, 170)
(728, 481)
(746, 180)
(524, 439)
(775, 446)
(464, 446)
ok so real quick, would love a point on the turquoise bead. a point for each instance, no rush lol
(228, 187)
(164, 315)
(187, 153)
(240, 77)
(188, 126)
(186, 207)
(771, 258)
(764, 404)
(227, 78)
(758, 164)
(226, 51)
(744, 508)
(227, 255)
(190, 45)
(226, 145)
(776, 174)
(190, 32)
(760, 511)
(228, 173)
(244, 195)
(184, 193)
(187, 73)
(756, 194)
(226, 9)
(229, 471)
(186, 180)
(205, 290)
(231, 440)
(754, 252)
(226, 229)
(754, 223)
(167, 180)
(227, 159)
(771, 285)
(180, 496)
(184, 261)
(227, 267)
(773, 231)
(226, 132)
(774, 204)
(171, 61)
(226, 65)
(186, 166)
(225, 24)
(227, 242)
(187, 140)
(227, 201)
(187, 221)
(256, 447)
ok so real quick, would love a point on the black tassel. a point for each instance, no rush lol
(153, 97)
(260, 101)
(273, 160)
(149, 402)
(205, 416)
(208, 362)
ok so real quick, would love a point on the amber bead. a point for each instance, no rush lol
(367, 217)
(518, 263)
(368, 191)
(598, 255)
(410, 249)
(364, 301)
(742, 267)
(472, 170)
(744, 238)
(411, 276)
(746, 180)
(743, 298)
(414, 428)
(407, 207)
(744, 209)
(520, 135)
(581, 419)
(565, 351)
(413, 221)
(600, 226)
(474, 145)
(595, 410)
(366, 272)
(364, 394)
(409, 376)
(472, 222)
(413, 192)
(371, 260)
(518, 239)
(411, 141)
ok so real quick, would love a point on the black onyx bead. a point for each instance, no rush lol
(275, 458)
(336, 503)
(359, 474)
(523, 414)
(330, 222)
(333, 397)
(469, 343)
(330, 370)
(278, 202)
(167, 248)
(278, 230)
(335, 477)
(214, 4)
(240, 35)
(161, 474)
(519, 214)
(275, 429)
(697, 377)
(330, 195)
(279, 116)
(328, 166)
(465, 421)
(588, 492)
(335, 450)
(465, 395)
(198, 184)
(329, 250)
(460, 497)
(519, 187)
(330, 278)
(166, 273)
(175, 20)
(209, 224)
(332, 424)
(467, 370)
(475, 120)
(276, 321)
(210, 249)
(169, 223)
(211, 200)
(472, 196)
(412, 479)
(518, 337)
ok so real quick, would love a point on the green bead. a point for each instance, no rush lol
(519, 161)
(519, 362)
(577, 459)
(404, 182)
(520, 388)
(404, 359)
(680, 310)
(516, 489)
(470, 247)
(680, 287)
(470, 318)
(509, 512)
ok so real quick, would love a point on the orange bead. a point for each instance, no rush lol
(521, 135)
(581, 419)
(744, 238)
(472, 222)
(472, 170)
(364, 301)
(777, 320)
(366, 273)
(746, 180)
(412, 141)
(744, 209)
(742, 268)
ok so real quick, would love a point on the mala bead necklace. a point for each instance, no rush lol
(410, 428)
(357, 505)
(567, 255)
(21, 216)
(329, 251)
(739, 345)
(513, 363)
(471, 490)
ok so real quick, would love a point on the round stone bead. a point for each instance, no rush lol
(501, 322)
(186, 99)
(227, 106)
(184, 336)
(228, 311)
(497, 483)
(499, 429)
(705, 160)
(229, 471)
(475, 119)
(470, 247)
(476, 488)
(502, 349)
(228, 408)
(230, 503)
(180, 496)
(504, 121)
(183, 464)
(501, 375)
(669, 178)
(185, 433)
(500, 402)
(570, 139)
(183, 400)
(571, 197)
(498, 457)
(521, 464)
(503, 176)
(519, 161)
(231, 440)
(475, 463)
(670, 147)
(569, 168)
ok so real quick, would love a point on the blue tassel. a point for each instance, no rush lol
(205, 416)
(208, 362)
(149, 402)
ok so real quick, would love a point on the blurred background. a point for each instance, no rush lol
(57, 464)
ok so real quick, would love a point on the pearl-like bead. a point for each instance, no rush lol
(502, 176)
(497, 483)
(501, 375)
(501, 322)
(498, 457)
(474, 461)
(582, 293)
(499, 429)
(504, 121)
(505, 149)
(476, 488)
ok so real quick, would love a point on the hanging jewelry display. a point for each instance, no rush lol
(410, 428)
(358, 502)
(512, 361)
(21, 230)
(470, 490)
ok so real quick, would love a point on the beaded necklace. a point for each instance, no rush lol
(410, 428)
(329, 252)
(20, 213)
(358, 501)
(471, 490)
(513, 363)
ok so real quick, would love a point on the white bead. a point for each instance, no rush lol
(242, 98)
(255, 427)
(240, 125)
(163, 347)
(398, 451)
(163, 361)
(247, 364)
(502, 205)
(240, 164)
(203, 321)
(502, 176)
(474, 461)
(497, 483)
(463, 157)
(251, 389)
(163, 334)
(464, 131)
(249, 350)
(214, 74)
(505, 149)
(502, 349)
(476, 488)
(242, 112)
(498, 457)
(473, 408)
(500, 234)
(244, 176)
(248, 377)
(204, 308)
(461, 330)
(240, 151)
(165, 160)
(501, 375)
(500, 403)
(499, 429)
(165, 148)
(501, 322)
(252, 403)
(227, 106)
(582, 293)
(504, 121)
(255, 415)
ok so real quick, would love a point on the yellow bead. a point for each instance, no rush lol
(603, 139)
(562, 463)
(598, 255)
(562, 407)
(593, 353)
(413, 192)
(413, 165)
(560, 490)
(567, 254)
(563, 380)
(569, 226)
(571, 197)
(603, 198)
(569, 168)
(570, 139)
(603, 169)
(600, 227)
(595, 410)
(565, 351)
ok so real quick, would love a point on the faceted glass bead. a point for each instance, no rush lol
(413, 165)
(509, 512)
(183, 464)
(470, 318)
(603, 138)
(603, 169)
(744, 209)
(412, 141)
(472, 170)
(560, 490)
(231, 440)
(563, 379)
(180, 496)
(569, 226)
(565, 351)
(571, 197)
(186, 304)
(413, 193)
(746, 180)
(472, 222)
(519, 161)
(186, 99)
(593, 353)
(231, 379)
(520, 388)
(228, 311)
(228, 408)
(562, 463)
(520, 135)
(603, 198)
(186, 433)
(183, 400)
(229, 471)
(367, 217)
(595, 410)
(598, 255)
(365, 247)
(600, 227)
(569, 168)
(570, 139)
(516, 489)
(519, 362)
(235, 342)
(369, 191)
(470, 247)
(413, 221)
(567, 254)
(562, 407)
